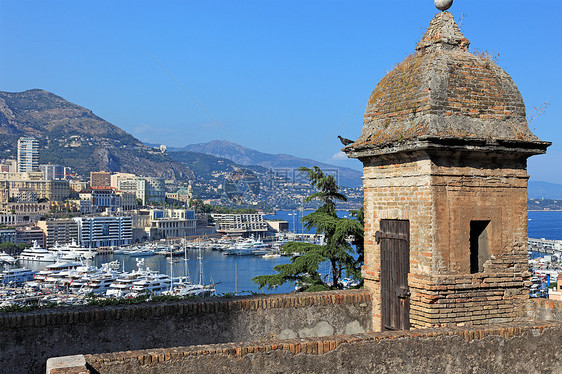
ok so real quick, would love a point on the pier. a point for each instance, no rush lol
(549, 247)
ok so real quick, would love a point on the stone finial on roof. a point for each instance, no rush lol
(443, 33)
(443, 4)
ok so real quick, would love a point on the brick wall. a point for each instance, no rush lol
(521, 348)
(440, 193)
(396, 188)
(28, 339)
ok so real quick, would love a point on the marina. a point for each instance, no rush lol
(154, 269)
(188, 267)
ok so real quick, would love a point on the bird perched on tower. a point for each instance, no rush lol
(345, 141)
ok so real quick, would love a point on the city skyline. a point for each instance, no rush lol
(278, 77)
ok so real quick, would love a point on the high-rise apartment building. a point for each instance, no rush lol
(100, 179)
(28, 154)
(116, 177)
(148, 190)
(61, 231)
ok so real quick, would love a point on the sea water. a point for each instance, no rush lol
(545, 224)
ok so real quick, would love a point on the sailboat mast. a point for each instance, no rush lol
(200, 266)
(171, 270)
(185, 267)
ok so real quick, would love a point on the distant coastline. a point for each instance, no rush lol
(544, 210)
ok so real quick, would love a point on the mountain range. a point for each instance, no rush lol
(544, 190)
(281, 163)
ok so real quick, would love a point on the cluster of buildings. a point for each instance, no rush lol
(27, 187)
(280, 188)
(111, 209)
(48, 204)
(97, 231)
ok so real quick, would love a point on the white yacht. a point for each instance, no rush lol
(259, 248)
(272, 254)
(57, 274)
(65, 253)
(80, 277)
(76, 285)
(56, 280)
(87, 253)
(188, 289)
(59, 266)
(241, 248)
(100, 284)
(42, 275)
(37, 253)
(153, 284)
(121, 287)
(6, 258)
(141, 252)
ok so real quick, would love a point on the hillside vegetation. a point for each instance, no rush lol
(73, 136)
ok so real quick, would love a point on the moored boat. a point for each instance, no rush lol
(38, 253)
(16, 276)
(6, 258)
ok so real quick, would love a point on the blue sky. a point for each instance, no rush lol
(277, 76)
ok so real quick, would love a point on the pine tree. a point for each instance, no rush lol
(304, 266)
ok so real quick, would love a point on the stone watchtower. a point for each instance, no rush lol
(444, 147)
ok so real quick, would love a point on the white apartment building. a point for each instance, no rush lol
(28, 154)
(170, 223)
(116, 177)
(95, 232)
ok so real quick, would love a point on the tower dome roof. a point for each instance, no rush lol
(443, 92)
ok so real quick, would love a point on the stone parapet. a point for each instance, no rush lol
(28, 339)
(494, 348)
(85, 314)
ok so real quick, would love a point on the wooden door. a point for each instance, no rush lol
(394, 239)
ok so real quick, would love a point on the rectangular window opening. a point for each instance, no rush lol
(479, 245)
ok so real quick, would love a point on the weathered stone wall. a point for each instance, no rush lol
(523, 348)
(440, 193)
(544, 310)
(28, 339)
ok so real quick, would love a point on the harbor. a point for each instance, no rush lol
(222, 265)
(173, 268)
